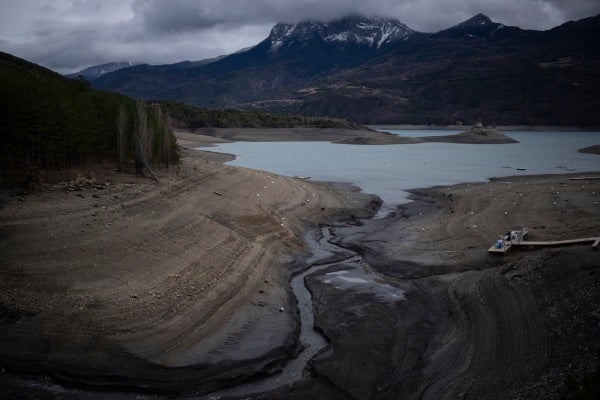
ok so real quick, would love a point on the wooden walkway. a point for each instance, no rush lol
(594, 240)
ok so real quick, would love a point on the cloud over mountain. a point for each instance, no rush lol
(67, 35)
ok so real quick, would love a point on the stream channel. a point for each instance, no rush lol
(324, 254)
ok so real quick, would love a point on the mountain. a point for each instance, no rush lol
(355, 30)
(477, 69)
(97, 71)
(377, 70)
(292, 55)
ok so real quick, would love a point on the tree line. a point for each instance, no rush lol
(191, 117)
(51, 122)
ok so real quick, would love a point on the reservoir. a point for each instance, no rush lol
(389, 170)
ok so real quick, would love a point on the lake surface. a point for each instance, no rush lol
(389, 170)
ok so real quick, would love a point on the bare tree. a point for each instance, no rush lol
(143, 142)
(164, 135)
(121, 127)
(167, 143)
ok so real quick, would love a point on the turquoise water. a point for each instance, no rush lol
(389, 170)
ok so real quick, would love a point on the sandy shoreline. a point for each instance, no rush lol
(177, 286)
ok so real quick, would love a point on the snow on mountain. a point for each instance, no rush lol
(99, 70)
(371, 32)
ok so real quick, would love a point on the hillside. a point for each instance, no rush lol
(380, 71)
(49, 122)
(186, 116)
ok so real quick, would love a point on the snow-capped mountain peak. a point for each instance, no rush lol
(371, 32)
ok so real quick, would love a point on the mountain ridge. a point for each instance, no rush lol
(342, 68)
(356, 29)
(96, 71)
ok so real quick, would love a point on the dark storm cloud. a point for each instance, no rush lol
(425, 15)
(70, 34)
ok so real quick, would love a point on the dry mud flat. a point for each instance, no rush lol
(180, 286)
(440, 319)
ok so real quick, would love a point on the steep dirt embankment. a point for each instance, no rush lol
(182, 285)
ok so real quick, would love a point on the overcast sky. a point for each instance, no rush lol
(68, 35)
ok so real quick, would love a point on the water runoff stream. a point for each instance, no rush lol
(322, 254)
(352, 274)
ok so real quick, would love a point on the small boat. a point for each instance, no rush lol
(521, 169)
(301, 177)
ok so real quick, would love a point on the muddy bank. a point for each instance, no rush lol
(289, 134)
(118, 282)
(475, 135)
(513, 331)
(343, 136)
(462, 324)
(595, 149)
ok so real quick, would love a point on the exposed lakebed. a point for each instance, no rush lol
(348, 293)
